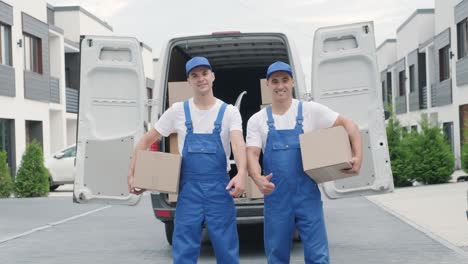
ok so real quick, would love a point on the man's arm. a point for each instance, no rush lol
(144, 143)
(356, 143)
(238, 149)
(255, 171)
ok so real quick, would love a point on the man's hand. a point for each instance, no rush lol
(264, 183)
(356, 163)
(238, 182)
(132, 189)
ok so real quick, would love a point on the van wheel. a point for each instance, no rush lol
(169, 226)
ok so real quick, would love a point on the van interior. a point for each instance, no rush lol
(239, 61)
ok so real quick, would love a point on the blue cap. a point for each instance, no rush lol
(278, 66)
(196, 62)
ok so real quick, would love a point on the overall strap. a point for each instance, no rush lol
(219, 119)
(270, 121)
(299, 117)
(188, 119)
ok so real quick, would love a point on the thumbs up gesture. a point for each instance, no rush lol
(264, 183)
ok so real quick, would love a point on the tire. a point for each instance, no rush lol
(53, 187)
(169, 227)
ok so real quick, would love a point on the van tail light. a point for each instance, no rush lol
(154, 146)
(163, 213)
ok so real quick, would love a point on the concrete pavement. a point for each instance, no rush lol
(438, 210)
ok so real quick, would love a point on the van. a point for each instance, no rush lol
(113, 104)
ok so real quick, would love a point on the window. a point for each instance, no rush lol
(32, 53)
(411, 79)
(422, 69)
(389, 87)
(448, 133)
(5, 45)
(462, 38)
(401, 83)
(444, 68)
(34, 132)
(383, 92)
(414, 128)
(70, 152)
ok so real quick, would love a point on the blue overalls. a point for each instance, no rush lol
(203, 197)
(295, 201)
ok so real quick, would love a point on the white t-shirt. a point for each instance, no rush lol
(316, 116)
(173, 121)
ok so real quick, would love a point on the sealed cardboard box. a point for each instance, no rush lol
(251, 189)
(266, 94)
(157, 171)
(172, 197)
(173, 144)
(325, 153)
(179, 92)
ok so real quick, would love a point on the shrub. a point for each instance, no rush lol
(398, 154)
(429, 155)
(6, 184)
(464, 154)
(32, 179)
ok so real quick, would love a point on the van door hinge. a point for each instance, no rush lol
(151, 102)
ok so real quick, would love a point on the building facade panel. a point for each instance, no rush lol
(36, 85)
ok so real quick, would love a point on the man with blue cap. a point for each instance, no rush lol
(292, 198)
(206, 127)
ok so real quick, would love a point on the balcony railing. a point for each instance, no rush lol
(72, 100)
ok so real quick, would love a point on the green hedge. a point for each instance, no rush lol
(6, 184)
(423, 156)
(32, 179)
(398, 154)
(464, 154)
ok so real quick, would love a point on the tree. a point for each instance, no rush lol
(32, 179)
(398, 154)
(6, 184)
(429, 154)
(464, 153)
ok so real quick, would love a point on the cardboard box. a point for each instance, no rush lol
(179, 92)
(325, 153)
(251, 189)
(266, 94)
(172, 197)
(157, 171)
(173, 144)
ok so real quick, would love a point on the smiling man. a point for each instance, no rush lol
(207, 127)
(292, 198)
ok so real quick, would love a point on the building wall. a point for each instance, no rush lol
(419, 29)
(17, 107)
(386, 55)
(58, 126)
(89, 26)
(69, 21)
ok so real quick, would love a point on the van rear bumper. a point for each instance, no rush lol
(248, 211)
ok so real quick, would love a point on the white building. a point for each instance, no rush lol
(424, 71)
(39, 73)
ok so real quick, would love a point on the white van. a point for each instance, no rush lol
(113, 103)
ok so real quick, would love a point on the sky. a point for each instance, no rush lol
(156, 21)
